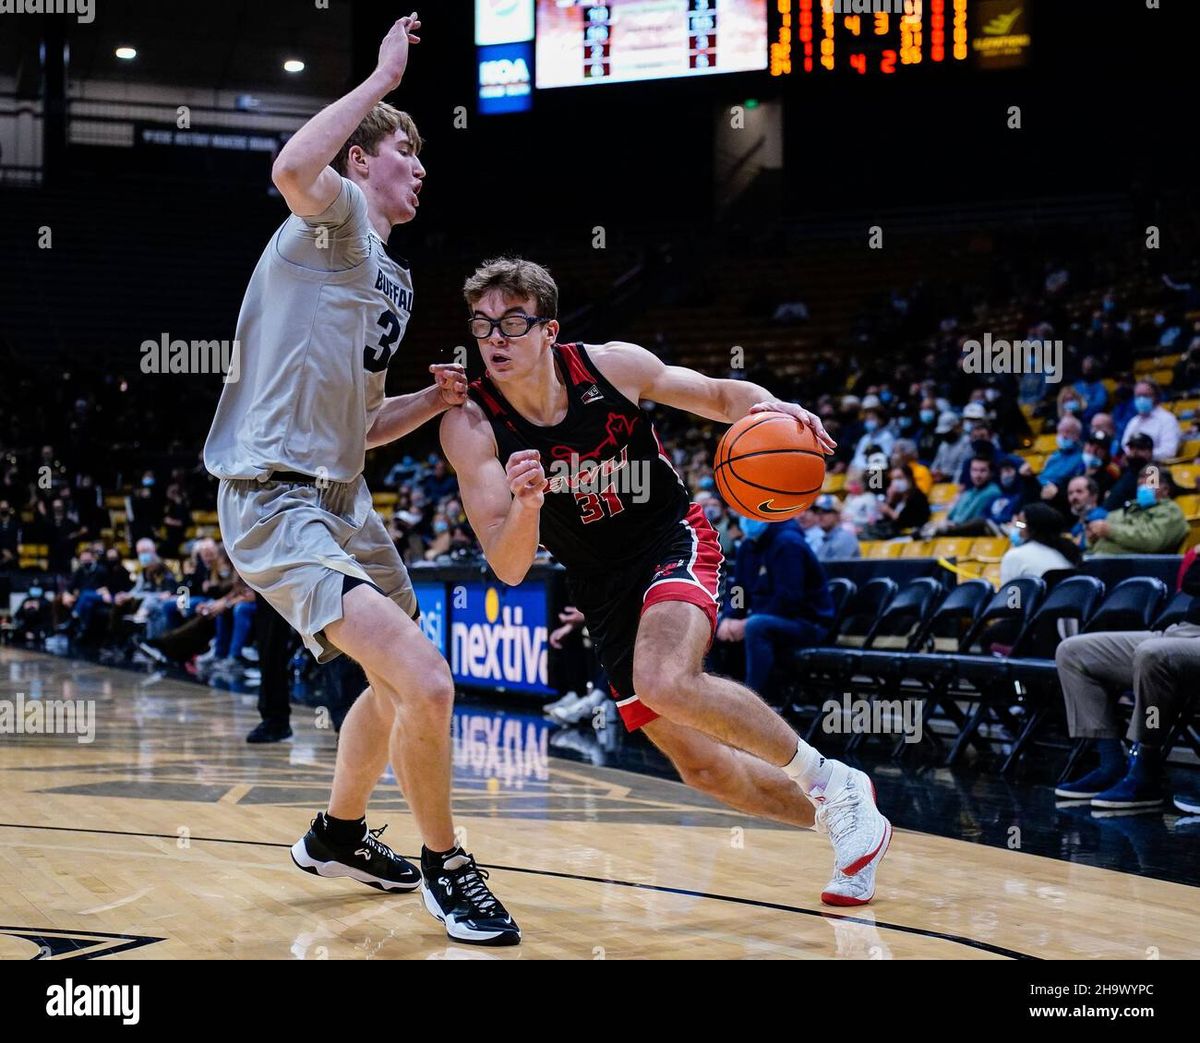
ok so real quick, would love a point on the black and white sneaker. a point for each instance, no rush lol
(455, 893)
(368, 860)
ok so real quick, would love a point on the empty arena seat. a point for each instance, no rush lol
(1075, 598)
(906, 616)
(953, 619)
(841, 590)
(1131, 605)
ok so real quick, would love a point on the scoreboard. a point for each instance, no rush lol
(582, 42)
(884, 37)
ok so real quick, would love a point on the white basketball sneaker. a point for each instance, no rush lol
(858, 889)
(846, 811)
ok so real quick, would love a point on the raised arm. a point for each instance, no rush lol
(404, 413)
(301, 171)
(503, 504)
(640, 374)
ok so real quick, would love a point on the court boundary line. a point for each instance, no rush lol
(956, 939)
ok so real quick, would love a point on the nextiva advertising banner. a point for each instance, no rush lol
(498, 636)
(432, 599)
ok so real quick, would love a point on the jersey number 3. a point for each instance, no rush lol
(376, 357)
(592, 504)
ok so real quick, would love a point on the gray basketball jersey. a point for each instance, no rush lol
(322, 317)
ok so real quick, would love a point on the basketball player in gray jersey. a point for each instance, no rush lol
(323, 315)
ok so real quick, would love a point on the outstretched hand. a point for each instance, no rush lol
(393, 52)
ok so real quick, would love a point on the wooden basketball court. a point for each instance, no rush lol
(167, 838)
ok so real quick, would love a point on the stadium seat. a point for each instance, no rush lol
(880, 548)
(841, 590)
(942, 493)
(1188, 451)
(1045, 444)
(1186, 474)
(1190, 505)
(1183, 407)
(917, 549)
(1176, 611)
(989, 548)
(1075, 598)
(953, 547)
(1131, 605)
(834, 483)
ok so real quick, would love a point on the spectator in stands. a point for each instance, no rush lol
(778, 600)
(10, 536)
(954, 449)
(1071, 402)
(903, 508)
(176, 519)
(88, 600)
(968, 513)
(233, 615)
(1091, 388)
(1038, 545)
(1138, 453)
(441, 537)
(1153, 420)
(1018, 486)
(1083, 495)
(143, 510)
(439, 483)
(1160, 666)
(835, 541)
(14, 490)
(876, 437)
(1102, 425)
(983, 444)
(925, 435)
(154, 582)
(1097, 462)
(904, 454)
(62, 532)
(861, 506)
(1152, 524)
(1065, 462)
(1187, 369)
(810, 528)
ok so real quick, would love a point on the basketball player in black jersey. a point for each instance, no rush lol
(552, 448)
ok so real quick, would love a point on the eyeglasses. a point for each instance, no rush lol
(509, 325)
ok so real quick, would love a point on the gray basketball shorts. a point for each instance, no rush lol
(296, 544)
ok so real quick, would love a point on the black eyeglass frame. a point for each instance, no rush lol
(530, 322)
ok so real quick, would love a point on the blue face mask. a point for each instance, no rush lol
(145, 559)
(870, 425)
(1071, 405)
(1016, 537)
(753, 528)
(886, 396)
(1066, 444)
(1143, 404)
(441, 526)
(1146, 496)
(905, 422)
(147, 482)
(1091, 461)
(706, 482)
(926, 416)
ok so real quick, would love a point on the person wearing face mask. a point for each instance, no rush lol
(719, 519)
(1153, 420)
(1097, 462)
(1103, 425)
(1083, 495)
(776, 601)
(1018, 487)
(904, 454)
(876, 437)
(1152, 524)
(925, 435)
(1065, 462)
(903, 508)
(440, 544)
(1071, 403)
(1038, 545)
(1138, 453)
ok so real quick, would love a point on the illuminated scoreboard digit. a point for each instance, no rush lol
(702, 34)
(597, 42)
(884, 37)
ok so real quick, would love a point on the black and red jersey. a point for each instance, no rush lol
(612, 493)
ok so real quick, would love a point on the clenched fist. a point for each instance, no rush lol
(526, 479)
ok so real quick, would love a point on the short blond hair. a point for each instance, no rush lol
(381, 122)
(515, 277)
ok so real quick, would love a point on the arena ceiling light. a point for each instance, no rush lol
(293, 65)
(126, 54)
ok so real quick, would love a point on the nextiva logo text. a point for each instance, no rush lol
(502, 644)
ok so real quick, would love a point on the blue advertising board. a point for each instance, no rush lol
(499, 635)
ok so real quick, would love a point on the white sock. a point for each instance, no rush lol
(808, 769)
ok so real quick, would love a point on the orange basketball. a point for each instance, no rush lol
(769, 466)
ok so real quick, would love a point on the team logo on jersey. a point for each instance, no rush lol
(670, 566)
(592, 394)
(617, 425)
